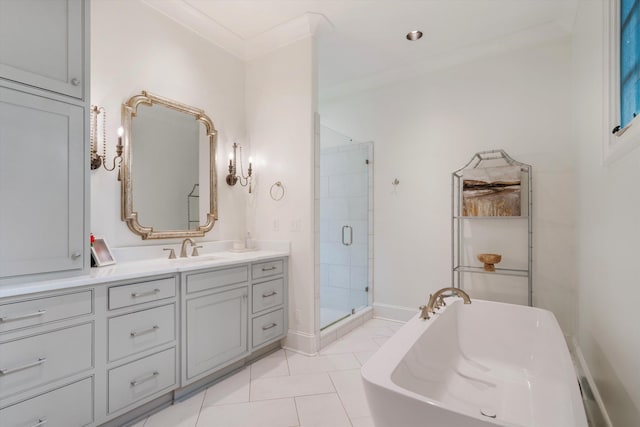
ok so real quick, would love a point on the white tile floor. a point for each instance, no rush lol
(287, 389)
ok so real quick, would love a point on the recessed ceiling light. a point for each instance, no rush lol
(414, 35)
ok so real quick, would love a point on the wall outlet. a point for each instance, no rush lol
(297, 316)
(276, 225)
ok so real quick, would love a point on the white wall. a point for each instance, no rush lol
(425, 128)
(608, 234)
(134, 48)
(280, 100)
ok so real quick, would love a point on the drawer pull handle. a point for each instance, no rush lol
(75, 82)
(134, 334)
(270, 326)
(270, 294)
(145, 379)
(144, 294)
(22, 316)
(269, 269)
(7, 371)
(41, 421)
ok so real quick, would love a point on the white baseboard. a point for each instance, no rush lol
(301, 342)
(594, 389)
(393, 312)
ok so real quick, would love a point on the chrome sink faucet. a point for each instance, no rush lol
(437, 300)
(183, 248)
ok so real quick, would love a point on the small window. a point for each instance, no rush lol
(623, 74)
(629, 60)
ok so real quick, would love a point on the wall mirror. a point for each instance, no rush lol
(169, 184)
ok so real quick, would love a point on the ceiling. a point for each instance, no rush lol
(361, 43)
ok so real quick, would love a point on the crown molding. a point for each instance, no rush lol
(196, 21)
(284, 34)
(245, 49)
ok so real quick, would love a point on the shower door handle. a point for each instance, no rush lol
(344, 241)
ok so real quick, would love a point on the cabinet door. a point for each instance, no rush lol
(216, 330)
(41, 44)
(41, 185)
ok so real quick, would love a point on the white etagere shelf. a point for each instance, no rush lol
(459, 265)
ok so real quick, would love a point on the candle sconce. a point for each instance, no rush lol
(233, 177)
(98, 160)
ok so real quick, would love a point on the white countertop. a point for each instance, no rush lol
(132, 268)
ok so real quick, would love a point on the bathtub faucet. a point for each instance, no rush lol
(437, 300)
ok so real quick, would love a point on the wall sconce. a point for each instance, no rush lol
(233, 177)
(98, 160)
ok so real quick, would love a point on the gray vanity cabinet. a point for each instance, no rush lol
(112, 351)
(44, 176)
(216, 314)
(268, 299)
(47, 359)
(141, 342)
(231, 312)
(42, 44)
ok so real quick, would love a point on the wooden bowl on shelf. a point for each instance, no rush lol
(489, 261)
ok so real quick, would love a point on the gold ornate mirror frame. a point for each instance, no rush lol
(129, 111)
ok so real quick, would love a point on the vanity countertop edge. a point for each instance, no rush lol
(140, 269)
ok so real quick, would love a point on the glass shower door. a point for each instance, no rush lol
(344, 231)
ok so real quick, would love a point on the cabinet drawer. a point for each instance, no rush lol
(266, 269)
(138, 293)
(39, 311)
(214, 279)
(52, 409)
(33, 361)
(135, 332)
(268, 294)
(142, 378)
(267, 327)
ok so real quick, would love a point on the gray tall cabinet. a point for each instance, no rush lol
(47, 351)
(44, 96)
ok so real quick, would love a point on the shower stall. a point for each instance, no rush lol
(346, 232)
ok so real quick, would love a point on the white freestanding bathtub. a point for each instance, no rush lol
(478, 364)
